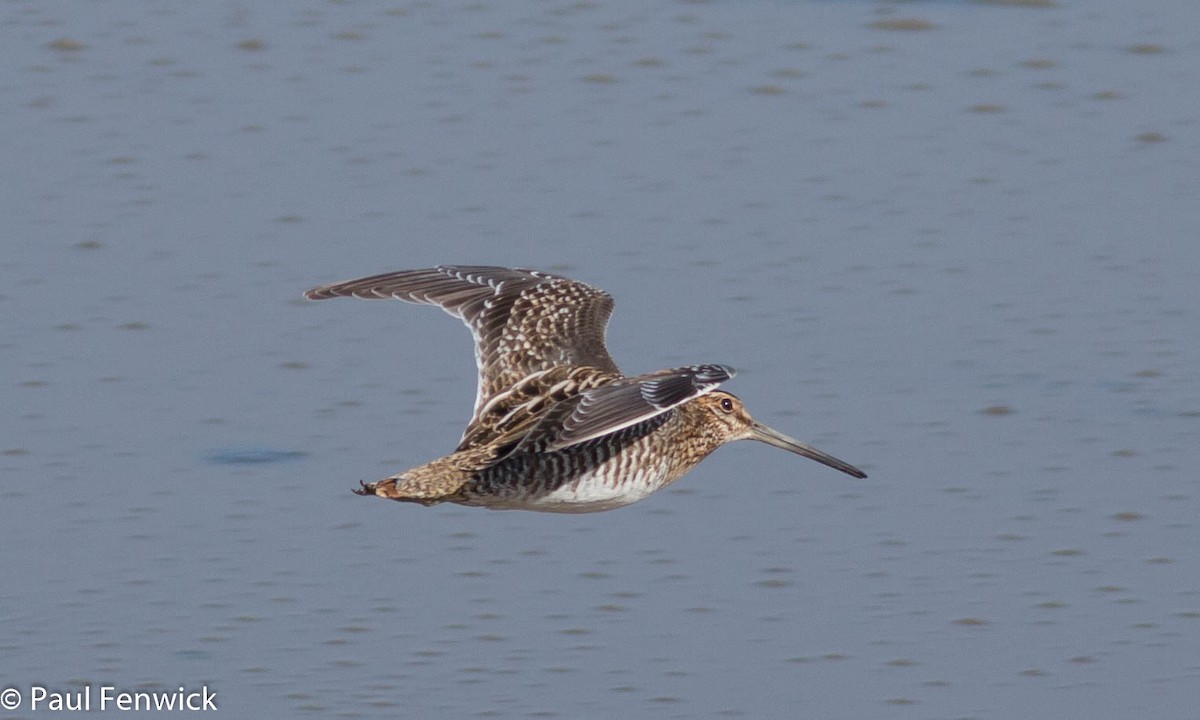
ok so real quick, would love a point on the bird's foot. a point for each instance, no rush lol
(364, 488)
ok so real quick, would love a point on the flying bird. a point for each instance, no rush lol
(557, 427)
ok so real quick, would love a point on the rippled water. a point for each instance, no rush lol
(953, 243)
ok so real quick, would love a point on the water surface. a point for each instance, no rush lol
(950, 242)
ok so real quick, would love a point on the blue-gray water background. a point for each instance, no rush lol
(955, 243)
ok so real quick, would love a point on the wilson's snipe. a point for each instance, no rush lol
(557, 427)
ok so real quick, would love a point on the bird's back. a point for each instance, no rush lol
(511, 415)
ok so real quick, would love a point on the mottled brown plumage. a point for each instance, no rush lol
(556, 426)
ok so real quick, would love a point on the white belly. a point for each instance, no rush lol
(591, 495)
(591, 492)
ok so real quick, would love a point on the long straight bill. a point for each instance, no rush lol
(762, 433)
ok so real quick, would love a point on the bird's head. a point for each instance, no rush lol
(729, 416)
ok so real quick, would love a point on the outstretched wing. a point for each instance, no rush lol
(523, 321)
(609, 408)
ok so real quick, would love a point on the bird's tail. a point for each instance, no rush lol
(437, 482)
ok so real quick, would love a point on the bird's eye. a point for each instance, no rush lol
(726, 404)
